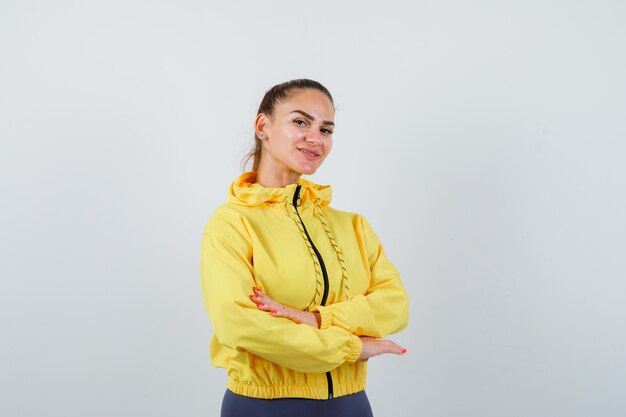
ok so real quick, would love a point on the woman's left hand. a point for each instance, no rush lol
(264, 303)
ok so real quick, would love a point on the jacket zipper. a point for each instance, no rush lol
(296, 195)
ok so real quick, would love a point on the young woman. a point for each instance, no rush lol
(300, 294)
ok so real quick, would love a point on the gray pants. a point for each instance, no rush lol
(354, 405)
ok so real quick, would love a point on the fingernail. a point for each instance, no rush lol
(273, 311)
(260, 305)
(256, 289)
(403, 350)
(252, 296)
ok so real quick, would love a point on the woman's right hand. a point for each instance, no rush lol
(374, 347)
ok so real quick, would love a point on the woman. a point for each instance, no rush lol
(299, 293)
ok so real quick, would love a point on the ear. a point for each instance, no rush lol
(261, 124)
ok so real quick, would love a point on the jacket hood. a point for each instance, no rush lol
(245, 191)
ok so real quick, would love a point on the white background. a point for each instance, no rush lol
(483, 140)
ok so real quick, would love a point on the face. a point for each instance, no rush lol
(300, 132)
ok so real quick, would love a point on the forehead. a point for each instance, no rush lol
(314, 102)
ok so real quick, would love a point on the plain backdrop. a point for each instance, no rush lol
(483, 140)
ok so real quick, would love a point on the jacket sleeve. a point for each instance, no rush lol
(227, 278)
(384, 308)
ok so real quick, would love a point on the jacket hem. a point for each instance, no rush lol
(295, 391)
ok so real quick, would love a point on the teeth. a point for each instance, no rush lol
(308, 153)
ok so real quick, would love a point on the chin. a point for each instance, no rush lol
(308, 170)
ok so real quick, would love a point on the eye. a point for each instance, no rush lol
(326, 131)
(299, 122)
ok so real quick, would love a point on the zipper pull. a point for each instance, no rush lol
(296, 196)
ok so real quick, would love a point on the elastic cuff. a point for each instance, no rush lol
(356, 346)
(326, 317)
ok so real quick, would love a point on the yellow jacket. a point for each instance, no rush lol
(306, 255)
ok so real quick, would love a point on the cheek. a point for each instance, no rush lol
(291, 131)
(329, 146)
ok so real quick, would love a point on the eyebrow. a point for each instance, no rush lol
(308, 116)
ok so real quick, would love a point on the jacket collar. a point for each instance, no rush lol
(245, 191)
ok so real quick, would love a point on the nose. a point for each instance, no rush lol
(313, 137)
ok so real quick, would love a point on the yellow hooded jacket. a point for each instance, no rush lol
(306, 255)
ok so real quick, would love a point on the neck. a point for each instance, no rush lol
(272, 176)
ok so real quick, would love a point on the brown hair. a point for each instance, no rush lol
(273, 97)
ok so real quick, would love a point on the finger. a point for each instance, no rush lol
(260, 297)
(257, 291)
(261, 305)
(399, 350)
(265, 307)
(270, 304)
(392, 347)
(256, 300)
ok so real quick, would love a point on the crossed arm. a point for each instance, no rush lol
(309, 341)
(371, 345)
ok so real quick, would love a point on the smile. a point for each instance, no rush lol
(308, 153)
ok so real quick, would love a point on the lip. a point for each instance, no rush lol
(317, 155)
